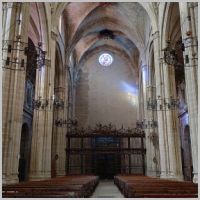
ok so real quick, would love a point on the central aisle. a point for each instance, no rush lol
(107, 189)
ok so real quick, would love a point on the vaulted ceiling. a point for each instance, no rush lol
(123, 27)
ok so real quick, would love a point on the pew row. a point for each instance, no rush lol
(133, 186)
(71, 186)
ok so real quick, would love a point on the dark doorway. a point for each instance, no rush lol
(24, 157)
(107, 165)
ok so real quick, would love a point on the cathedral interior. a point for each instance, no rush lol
(99, 95)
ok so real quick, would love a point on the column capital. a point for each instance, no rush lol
(192, 4)
(7, 5)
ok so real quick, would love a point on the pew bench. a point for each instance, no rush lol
(65, 187)
(150, 187)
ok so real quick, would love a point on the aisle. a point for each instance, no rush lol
(107, 189)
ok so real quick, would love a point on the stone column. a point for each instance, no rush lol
(160, 114)
(70, 92)
(144, 77)
(189, 33)
(43, 117)
(169, 139)
(59, 132)
(173, 146)
(16, 17)
(140, 98)
(152, 155)
(141, 113)
(153, 162)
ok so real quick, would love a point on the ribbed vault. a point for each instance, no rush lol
(128, 24)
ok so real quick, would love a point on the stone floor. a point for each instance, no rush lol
(107, 189)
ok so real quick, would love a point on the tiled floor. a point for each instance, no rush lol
(107, 189)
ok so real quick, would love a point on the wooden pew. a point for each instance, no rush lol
(150, 187)
(68, 186)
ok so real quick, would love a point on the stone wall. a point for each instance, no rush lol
(106, 94)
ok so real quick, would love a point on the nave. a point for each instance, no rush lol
(99, 95)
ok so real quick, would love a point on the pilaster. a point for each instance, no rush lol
(173, 147)
(59, 132)
(160, 114)
(153, 168)
(13, 93)
(189, 34)
(43, 118)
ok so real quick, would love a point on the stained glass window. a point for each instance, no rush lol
(105, 59)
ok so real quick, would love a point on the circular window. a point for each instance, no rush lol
(105, 59)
